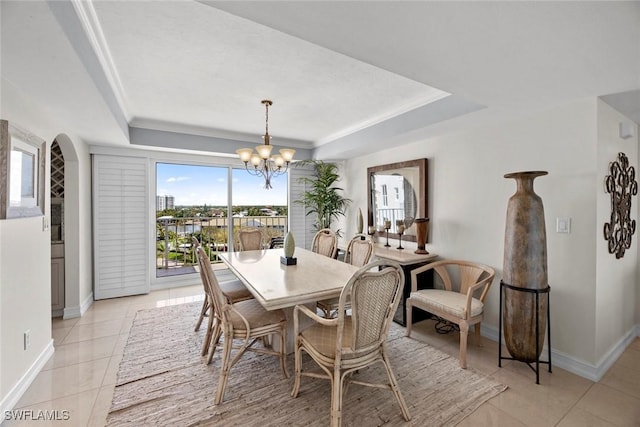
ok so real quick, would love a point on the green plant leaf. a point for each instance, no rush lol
(324, 199)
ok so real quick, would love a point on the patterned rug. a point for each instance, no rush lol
(162, 380)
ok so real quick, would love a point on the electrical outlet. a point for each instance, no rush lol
(27, 338)
(563, 225)
(45, 223)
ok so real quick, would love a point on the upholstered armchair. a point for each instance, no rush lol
(461, 301)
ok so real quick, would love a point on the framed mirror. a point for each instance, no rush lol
(21, 172)
(397, 194)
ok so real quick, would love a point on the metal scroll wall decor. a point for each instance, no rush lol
(621, 184)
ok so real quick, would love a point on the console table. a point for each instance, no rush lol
(408, 260)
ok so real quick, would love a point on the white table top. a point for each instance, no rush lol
(402, 256)
(274, 285)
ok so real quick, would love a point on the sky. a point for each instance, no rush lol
(199, 185)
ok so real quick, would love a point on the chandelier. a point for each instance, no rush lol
(263, 163)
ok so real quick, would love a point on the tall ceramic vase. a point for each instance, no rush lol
(525, 266)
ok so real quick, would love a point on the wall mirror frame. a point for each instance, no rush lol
(22, 172)
(402, 182)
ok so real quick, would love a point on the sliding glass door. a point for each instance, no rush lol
(191, 201)
(198, 201)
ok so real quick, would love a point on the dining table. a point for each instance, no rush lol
(275, 285)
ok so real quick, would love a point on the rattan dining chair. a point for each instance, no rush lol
(359, 253)
(359, 250)
(325, 242)
(276, 242)
(246, 321)
(233, 289)
(455, 303)
(250, 239)
(346, 344)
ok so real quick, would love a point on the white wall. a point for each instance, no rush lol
(616, 282)
(25, 261)
(467, 207)
(85, 248)
(25, 270)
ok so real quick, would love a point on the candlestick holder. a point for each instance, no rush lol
(400, 233)
(386, 229)
(371, 231)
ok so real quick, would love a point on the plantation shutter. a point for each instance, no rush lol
(300, 224)
(120, 226)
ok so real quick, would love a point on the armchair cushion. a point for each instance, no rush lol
(453, 303)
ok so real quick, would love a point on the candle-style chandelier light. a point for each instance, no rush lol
(263, 163)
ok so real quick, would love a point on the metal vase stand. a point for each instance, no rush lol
(537, 297)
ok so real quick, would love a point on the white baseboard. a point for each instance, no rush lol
(9, 401)
(71, 312)
(573, 364)
(614, 352)
(86, 304)
(78, 310)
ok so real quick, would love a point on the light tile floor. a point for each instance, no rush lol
(80, 377)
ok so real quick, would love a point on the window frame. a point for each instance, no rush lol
(14, 139)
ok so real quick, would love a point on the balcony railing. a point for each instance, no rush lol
(392, 214)
(174, 251)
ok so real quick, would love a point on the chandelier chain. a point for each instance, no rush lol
(267, 137)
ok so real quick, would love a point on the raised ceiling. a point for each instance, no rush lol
(345, 77)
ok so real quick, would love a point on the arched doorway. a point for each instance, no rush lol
(69, 223)
(57, 225)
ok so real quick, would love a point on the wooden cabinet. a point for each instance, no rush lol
(425, 281)
(409, 260)
(57, 280)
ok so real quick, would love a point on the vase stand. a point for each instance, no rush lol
(537, 293)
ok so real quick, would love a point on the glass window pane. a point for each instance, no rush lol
(255, 207)
(191, 200)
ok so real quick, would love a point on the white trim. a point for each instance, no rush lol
(71, 312)
(78, 311)
(614, 353)
(93, 30)
(489, 332)
(169, 156)
(432, 96)
(574, 365)
(88, 301)
(16, 392)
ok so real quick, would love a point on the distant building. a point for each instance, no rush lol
(164, 202)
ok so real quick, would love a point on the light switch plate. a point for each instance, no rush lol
(563, 225)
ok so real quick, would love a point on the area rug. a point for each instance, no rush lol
(162, 380)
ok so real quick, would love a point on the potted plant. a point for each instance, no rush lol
(324, 198)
